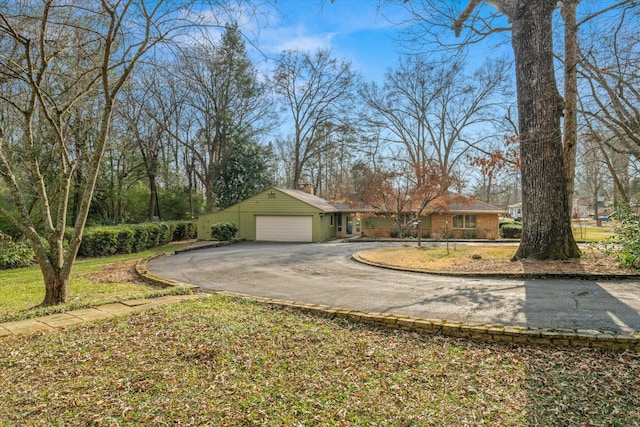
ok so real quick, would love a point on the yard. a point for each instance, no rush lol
(223, 361)
(94, 281)
(228, 361)
(492, 258)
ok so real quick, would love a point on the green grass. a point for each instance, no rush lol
(224, 361)
(591, 234)
(21, 290)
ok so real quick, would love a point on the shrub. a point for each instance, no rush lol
(224, 231)
(99, 241)
(15, 255)
(511, 230)
(184, 230)
(394, 234)
(125, 239)
(624, 245)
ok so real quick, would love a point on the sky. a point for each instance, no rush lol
(353, 29)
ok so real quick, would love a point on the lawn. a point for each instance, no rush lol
(22, 289)
(492, 259)
(590, 233)
(224, 361)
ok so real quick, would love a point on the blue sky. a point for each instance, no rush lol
(353, 29)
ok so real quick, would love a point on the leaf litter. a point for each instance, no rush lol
(225, 361)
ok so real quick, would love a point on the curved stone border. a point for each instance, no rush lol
(584, 338)
(144, 274)
(524, 276)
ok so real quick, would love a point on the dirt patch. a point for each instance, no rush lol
(120, 272)
(490, 260)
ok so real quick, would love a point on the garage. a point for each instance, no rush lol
(277, 228)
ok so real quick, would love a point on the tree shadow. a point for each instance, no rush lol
(555, 304)
(582, 304)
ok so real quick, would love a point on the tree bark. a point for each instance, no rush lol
(546, 231)
(570, 95)
(56, 286)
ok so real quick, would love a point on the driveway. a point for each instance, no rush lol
(325, 274)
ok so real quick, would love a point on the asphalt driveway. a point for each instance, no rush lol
(325, 274)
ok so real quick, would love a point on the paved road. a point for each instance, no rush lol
(325, 274)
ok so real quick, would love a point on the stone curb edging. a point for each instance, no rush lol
(584, 338)
(525, 276)
(581, 338)
(144, 274)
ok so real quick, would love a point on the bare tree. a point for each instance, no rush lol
(611, 72)
(433, 110)
(55, 56)
(316, 90)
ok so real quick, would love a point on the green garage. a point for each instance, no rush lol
(276, 215)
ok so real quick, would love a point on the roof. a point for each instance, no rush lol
(310, 199)
(475, 206)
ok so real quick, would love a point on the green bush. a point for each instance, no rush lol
(99, 241)
(125, 239)
(224, 231)
(15, 255)
(511, 230)
(624, 245)
(394, 234)
(184, 231)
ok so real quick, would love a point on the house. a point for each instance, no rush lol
(284, 215)
(515, 210)
(277, 214)
(474, 219)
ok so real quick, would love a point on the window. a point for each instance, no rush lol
(331, 220)
(467, 222)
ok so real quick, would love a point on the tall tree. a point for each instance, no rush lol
(246, 170)
(230, 102)
(57, 55)
(316, 91)
(546, 232)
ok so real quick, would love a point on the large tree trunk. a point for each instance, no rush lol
(56, 286)
(546, 231)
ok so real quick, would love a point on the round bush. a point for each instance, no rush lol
(224, 231)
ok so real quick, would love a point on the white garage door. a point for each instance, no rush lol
(284, 228)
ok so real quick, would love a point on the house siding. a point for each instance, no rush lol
(487, 225)
(378, 226)
(269, 202)
(435, 225)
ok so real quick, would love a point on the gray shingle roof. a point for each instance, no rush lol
(309, 199)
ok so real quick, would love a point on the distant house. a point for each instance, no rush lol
(515, 210)
(284, 215)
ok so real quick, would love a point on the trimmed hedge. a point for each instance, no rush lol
(126, 239)
(224, 231)
(511, 230)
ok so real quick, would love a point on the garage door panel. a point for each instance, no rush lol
(274, 228)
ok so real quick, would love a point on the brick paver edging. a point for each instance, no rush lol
(144, 274)
(493, 333)
(476, 332)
